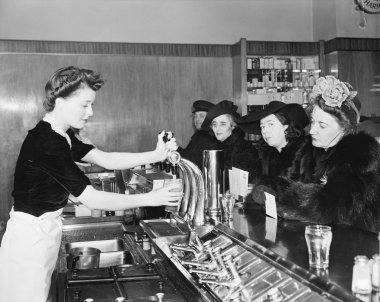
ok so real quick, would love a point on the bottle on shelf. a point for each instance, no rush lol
(249, 63)
(261, 63)
(276, 75)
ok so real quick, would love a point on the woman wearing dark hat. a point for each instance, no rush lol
(335, 176)
(282, 128)
(238, 152)
(201, 139)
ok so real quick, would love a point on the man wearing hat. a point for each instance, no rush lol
(201, 139)
(282, 128)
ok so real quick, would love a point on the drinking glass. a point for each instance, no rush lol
(228, 202)
(177, 188)
(318, 239)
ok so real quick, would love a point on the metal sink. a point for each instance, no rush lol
(108, 237)
(113, 251)
(111, 245)
(115, 258)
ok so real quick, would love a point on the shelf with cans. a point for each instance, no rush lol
(281, 73)
(288, 79)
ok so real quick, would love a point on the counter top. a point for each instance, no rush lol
(70, 219)
(286, 238)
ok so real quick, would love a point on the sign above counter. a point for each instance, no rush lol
(369, 6)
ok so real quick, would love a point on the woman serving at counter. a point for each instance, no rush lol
(334, 178)
(46, 177)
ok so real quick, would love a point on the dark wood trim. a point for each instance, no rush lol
(132, 49)
(236, 49)
(272, 48)
(352, 44)
(322, 58)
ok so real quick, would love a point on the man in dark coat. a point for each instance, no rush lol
(201, 139)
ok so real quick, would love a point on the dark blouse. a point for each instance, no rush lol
(46, 171)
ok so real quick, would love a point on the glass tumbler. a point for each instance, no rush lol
(318, 239)
(177, 188)
(228, 202)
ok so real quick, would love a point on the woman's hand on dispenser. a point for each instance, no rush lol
(165, 143)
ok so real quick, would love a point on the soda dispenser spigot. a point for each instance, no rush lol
(174, 157)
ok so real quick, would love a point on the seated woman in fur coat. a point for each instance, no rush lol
(334, 177)
(281, 126)
(238, 153)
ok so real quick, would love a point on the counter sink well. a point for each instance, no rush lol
(111, 245)
(105, 236)
(113, 251)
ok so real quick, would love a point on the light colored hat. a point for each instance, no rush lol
(339, 95)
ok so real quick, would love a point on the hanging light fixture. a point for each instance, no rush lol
(369, 7)
(363, 21)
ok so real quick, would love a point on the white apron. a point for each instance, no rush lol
(28, 254)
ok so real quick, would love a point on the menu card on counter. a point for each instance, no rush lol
(238, 180)
(270, 205)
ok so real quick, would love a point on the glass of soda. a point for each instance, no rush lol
(318, 238)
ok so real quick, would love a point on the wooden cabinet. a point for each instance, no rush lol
(357, 61)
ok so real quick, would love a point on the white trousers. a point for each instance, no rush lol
(28, 254)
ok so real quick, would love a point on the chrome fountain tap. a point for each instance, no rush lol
(186, 248)
(194, 240)
(231, 280)
(219, 268)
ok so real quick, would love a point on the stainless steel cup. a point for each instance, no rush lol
(213, 170)
(318, 239)
(83, 258)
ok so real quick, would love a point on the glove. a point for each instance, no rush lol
(257, 196)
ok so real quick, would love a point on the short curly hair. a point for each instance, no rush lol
(292, 131)
(66, 81)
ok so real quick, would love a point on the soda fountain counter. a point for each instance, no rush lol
(247, 259)
(253, 257)
(189, 256)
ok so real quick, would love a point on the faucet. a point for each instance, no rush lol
(191, 249)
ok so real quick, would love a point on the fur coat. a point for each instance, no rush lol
(340, 185)
(274, 163)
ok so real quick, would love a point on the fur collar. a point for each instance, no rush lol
(361, 151)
